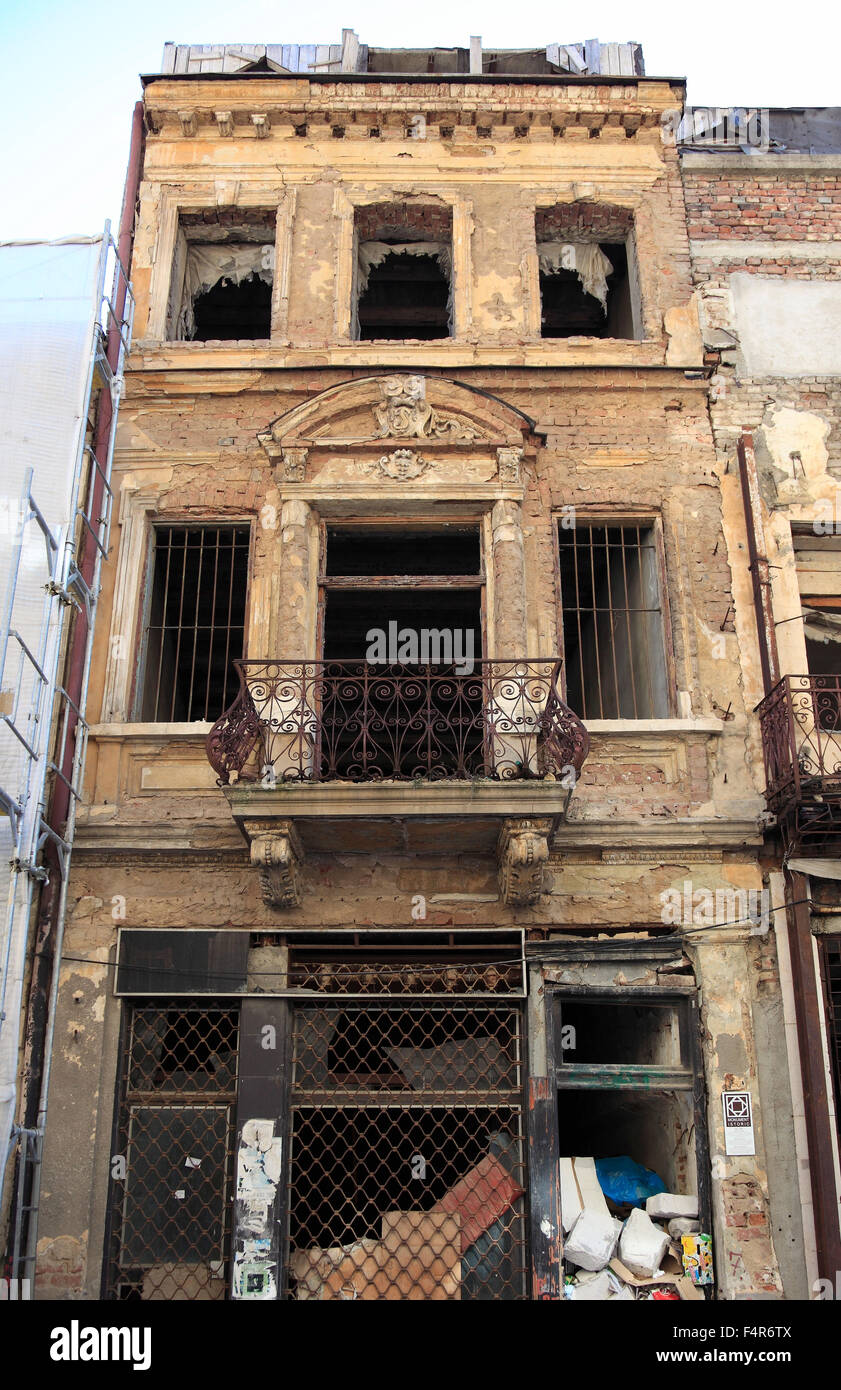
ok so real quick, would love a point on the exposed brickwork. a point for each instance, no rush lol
(583, 222)
(380, 221)
(792, 206)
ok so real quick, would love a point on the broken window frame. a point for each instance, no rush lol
(640, 521)
(535, 298)
(431, 582)
(346, 202)
(173, 301)
(594, 1077)
(142, 648)
(442, 253)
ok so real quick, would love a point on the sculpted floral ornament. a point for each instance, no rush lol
(401, 464)
(406, 414)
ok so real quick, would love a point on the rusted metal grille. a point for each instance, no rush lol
(801, 737)
(419, 976)
(171, 1171)
(195, 621)
(407, 1176)
(613, 622)
(356, 721)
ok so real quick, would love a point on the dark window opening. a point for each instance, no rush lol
(368, 552)
(228, 311)
(568, 310)
(404, 253)
(586, 271)
(222, 275)
(406, 297)
(639, 1034)
(654, 1128)
(399, 603)
(613, 623)
(195, 622)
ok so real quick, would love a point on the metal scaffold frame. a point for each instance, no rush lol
(44, 719)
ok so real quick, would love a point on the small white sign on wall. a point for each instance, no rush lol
(738, 1123)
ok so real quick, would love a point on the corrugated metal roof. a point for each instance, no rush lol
(591, 57)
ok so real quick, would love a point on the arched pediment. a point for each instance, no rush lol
(399, 406)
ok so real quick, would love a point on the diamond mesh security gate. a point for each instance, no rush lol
(406, 1168)
(172, 1158)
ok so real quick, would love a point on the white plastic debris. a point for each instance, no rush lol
(682, 1226)
(642, 1245)
(592, 1241)
(592, 1287)
(619, 1290)
(667, 1205)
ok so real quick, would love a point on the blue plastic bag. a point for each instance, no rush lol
(624, 1181)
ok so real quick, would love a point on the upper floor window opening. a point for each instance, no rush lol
(614, 626)
(587, 271)
(222, 275)
(403, 271)
(194, 622)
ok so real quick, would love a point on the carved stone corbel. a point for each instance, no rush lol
(224, 122)
(187, 121)
(277, 854)
(294, 464)
(508, 460)
(290, 463)
(523, 851)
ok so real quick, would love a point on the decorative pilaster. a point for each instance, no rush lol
(509, 581)
(522, 852)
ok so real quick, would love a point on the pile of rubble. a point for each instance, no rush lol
(652, 1254)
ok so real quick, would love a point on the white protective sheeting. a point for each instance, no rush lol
(207, 265)
(372, 253)
(587, 259)
(48, 305)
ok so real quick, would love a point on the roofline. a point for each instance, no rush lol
(433, 79)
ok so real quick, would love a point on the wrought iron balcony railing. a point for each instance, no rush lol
(320, 721)
(800, 721)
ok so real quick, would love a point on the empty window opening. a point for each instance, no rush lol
(195, 622)
(653, 1127)
(638, 1034)
(222, 276)
(404, 272)
(586, 272)
(400, 601)
(613, 622)
(626, 1070)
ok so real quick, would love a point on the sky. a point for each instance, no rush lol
(71, 79)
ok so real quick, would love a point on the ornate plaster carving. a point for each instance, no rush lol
(523, 851)
(509, 459)
(294, 464)
(405, 414)
(401, 464)
(277, 854)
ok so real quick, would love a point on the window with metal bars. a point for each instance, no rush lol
(170, 1209)
(194, 623)
(613, 621)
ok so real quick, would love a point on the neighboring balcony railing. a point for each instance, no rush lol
(801, 742)
(321, 721)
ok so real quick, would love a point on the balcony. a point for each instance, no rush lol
(344, 756)
(800, 720)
